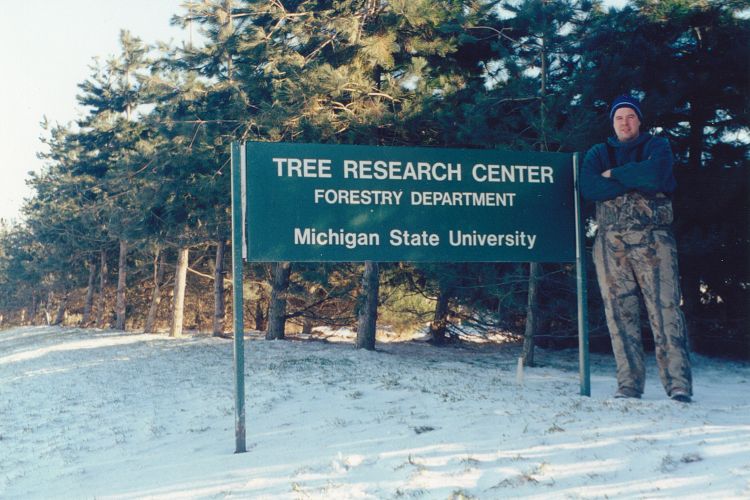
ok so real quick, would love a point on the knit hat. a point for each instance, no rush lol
(625, 101)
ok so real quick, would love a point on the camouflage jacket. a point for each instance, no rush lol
(636, 196)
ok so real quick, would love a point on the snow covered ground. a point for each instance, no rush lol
(100, 414)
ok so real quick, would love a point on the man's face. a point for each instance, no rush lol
(626, 123)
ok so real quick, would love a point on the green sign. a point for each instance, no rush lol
(317, 202)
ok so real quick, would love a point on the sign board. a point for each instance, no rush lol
(318, 202)
(322, 202)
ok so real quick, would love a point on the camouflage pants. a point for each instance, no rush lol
(636, 264)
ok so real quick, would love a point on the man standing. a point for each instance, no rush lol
(630, 178)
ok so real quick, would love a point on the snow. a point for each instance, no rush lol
(102, 414)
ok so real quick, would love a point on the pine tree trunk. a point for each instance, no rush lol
(532, 303)
(180, 279)
(532, 314)
(159, 261)
(34, 308)
(277, 307)
(695, 141)
(60, 316)
(690, 287)
(260, 319)
(88, 303)
(307, 326)
(46, 306)
(122, 273)
(368, 311)
(229, 27)
(219, 305)
(439, 323)
(102, 289)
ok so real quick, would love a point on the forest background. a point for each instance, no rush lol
(128, 226)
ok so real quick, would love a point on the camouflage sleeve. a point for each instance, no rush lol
(653, 174)
(594, 187)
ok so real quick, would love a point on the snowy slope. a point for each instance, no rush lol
(99, 414)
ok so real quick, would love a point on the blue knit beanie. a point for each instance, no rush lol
(625, 101)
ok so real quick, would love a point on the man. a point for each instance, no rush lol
(630, 178)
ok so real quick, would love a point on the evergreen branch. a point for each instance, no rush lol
(330, 295)
(199, 121)
(339, 105)
(498, 32)
(195, 134)
(227, 282)
(144, 167)
(518, 99)
(315, 52)
(218, 172)
(381, 94)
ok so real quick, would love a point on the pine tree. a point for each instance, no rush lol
(211, 108)
(533, 92)
(55, 219)
(116, 144)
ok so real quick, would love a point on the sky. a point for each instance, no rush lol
(46, 49)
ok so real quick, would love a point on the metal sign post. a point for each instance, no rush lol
(238, 242)
(582, 297)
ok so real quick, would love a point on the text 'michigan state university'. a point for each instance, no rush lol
(437, 172)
